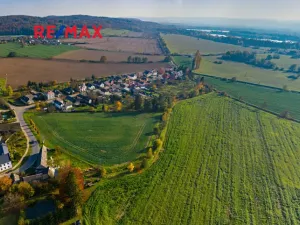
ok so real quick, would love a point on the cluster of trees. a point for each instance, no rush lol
(137, 59)
(248, 58)
(14, 195)
(12, 54)
(293, 69)
(163, 45)
(68, 202)
(38, 86)
(197, 60)
(103, 59)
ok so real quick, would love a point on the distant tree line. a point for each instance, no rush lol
(163, 46)
(249, 58)
(137, 59)
(23, 25)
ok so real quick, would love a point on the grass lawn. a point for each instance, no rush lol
(17, 146)
(223, 163)
(97, 138)
(275, 101)
(248, 73)
(36, 51)
(189, 45)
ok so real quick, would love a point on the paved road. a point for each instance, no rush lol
(35, 148)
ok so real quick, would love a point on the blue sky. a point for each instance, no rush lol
(257, 9)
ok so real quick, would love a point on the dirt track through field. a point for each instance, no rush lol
(20, 71)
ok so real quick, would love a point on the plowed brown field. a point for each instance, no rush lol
(20, 71)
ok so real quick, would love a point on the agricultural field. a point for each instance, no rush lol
(223, 163)
(248, 73)
(183, 61)
(120, 32)
(19, 71)
(285, 61)
(268, 98)
(99, 138)
(119, 44)
(36, 51)
(189, 45)
(95, 55)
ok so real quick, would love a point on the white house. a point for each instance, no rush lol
(82, 88)
(5, 162)
(50, 95)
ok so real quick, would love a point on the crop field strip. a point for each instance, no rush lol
(35, 51)
(224, 163)
(247, 73)
(275, 101)
(97, 138)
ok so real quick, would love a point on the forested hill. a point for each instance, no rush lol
(23, 25)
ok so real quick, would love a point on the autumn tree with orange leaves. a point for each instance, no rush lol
(118, 106)
(5, 183)
(63, 184)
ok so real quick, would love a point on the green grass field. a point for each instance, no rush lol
(36, 51)
(189, 45)
(97, 138)
(244, 72)
(183, 61)
(276, 101)
(223, 163)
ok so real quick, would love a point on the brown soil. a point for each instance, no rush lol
(19, 71)
(119, 44)
(111, 56)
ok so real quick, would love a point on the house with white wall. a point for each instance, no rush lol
(5, 162)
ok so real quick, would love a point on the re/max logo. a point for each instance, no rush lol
(39, 31)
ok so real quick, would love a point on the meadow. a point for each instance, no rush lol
(189, 45)
(183, 61)
(285, 61)
(248, 73)
(35, 51)
(223, 163)
(271, 99)
(99, 138)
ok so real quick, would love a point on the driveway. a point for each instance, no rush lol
(35, 147)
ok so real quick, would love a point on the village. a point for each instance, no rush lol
(99, 91)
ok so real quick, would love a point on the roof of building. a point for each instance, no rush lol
(57, 102)
(4, 159)
(40, 176)
(3, 149)
(42, 158)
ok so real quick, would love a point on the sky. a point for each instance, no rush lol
(248, 9)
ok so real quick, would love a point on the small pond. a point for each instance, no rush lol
(40, 209)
